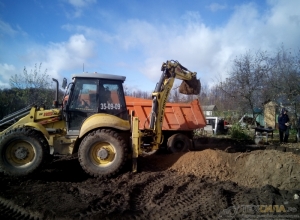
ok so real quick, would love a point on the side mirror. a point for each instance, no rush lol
(64, 83)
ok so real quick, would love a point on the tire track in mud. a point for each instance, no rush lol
(191, 202)
(144, 184)
(162, 195)
(169, 195)
(123, 195)
(152, 194)
(9, 210)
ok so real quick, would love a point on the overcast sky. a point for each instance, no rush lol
(133, 37)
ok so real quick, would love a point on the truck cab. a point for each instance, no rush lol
(216, 125)
(90, 94)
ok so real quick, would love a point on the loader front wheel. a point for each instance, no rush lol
(179, 143)
(23, 151)
(102, 153)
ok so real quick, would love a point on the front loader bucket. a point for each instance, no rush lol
(190, 87)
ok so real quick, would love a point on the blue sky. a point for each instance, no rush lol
(133, 37)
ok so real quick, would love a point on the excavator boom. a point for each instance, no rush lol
(150, 139)
(171, 70)
(190, 84)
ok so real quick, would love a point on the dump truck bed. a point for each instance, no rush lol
(178, 116)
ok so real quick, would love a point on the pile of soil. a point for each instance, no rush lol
(249, 169)
(205, 184)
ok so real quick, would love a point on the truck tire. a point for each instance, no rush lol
(23, 151)
(102, 153)
(179, 143)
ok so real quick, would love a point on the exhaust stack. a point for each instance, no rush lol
(55, 102)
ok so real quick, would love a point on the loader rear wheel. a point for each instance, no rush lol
(178, 143)
(23, 151)
(102, 153)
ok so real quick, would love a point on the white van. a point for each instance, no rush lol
(216, 125)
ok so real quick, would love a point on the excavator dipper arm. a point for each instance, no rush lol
(177, 71)
(190, 85)
(150, 139)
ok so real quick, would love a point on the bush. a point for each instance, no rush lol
(237, 132)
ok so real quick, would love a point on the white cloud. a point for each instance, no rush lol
(283, 22)
(216, 7)
(89, 32)
(61, 59)
(206, 50)
(134, 33)
(79, 5)
(6, 71)
(68, 55)
(64, 56)
(7, 29)
(210, 51)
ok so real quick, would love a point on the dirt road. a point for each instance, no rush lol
(205, 184)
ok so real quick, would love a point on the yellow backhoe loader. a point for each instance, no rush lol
(92, 121)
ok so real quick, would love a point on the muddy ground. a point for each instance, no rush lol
(219, 179)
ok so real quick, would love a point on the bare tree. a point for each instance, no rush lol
(35, 79)
(247, 80)
(35, 85)
(175, 95)
(285, 78)
(136, 93)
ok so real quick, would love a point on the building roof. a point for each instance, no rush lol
(209, 107)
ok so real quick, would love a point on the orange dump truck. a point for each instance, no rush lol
(180, 121)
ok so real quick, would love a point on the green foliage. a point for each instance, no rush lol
(12, 100)
(33, 85)
(199, 132)
(27, 88)
(237, 132)
(293, 131)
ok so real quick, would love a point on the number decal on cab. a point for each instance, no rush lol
(110, 106)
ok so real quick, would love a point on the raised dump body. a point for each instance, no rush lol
(178, 116)
(180, 120)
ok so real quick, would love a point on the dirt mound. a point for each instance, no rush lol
(250, 169)
(208, 184)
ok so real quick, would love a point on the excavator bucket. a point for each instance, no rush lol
(190, 87)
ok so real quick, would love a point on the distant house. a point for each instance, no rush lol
(209, 109)
(270, 114)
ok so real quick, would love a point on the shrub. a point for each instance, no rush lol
(237, 132)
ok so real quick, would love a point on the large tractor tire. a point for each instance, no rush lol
(23, 151)
(102, 153)
(179, 143)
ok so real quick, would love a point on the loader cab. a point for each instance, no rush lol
(90, 94)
